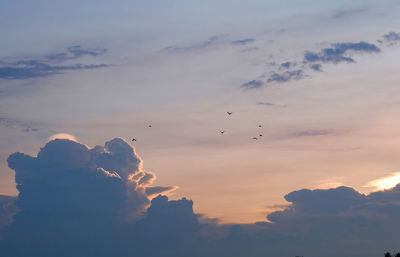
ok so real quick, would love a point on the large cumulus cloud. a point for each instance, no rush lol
(7, 210)
(82, 193)
(335, 222)
(77, 202)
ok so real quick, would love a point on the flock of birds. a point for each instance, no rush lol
(222, 131)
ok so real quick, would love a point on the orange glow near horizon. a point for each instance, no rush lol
(386, 182)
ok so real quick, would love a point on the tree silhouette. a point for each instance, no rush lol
(388, 255)
(397, 255)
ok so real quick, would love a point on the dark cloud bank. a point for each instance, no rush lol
(80, 202)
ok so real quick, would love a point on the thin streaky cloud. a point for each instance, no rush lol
(269, 104)
(243, 41)
(50, 64)
(195, 47)
(312, 133)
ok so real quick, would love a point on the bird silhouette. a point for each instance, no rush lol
(260, 135)
(255, 138)
(149, 126)
(133, 139)
(222, 131)
(260, 126)
(229, 113)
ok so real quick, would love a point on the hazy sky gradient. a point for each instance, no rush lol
(173, 64)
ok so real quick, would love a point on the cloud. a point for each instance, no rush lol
(94, 202)
(24, 126)
(329, 222)
(253, 84)
(316, 67)
(159, 189)
(320, 201)
(74, 52)
(288, 65)
(343, 14)
(170, 228)
(272, 104)
(312, 133)
(286, 76)
(38, 69)
(50, 64)
(339, 52)
(78, 191)
(62, 136)
(7, 210)
(242, 42)
(392, 38)
(342, 217)
(313, 61)
(199, 46)
(249, 49)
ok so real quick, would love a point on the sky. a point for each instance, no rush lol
(312, 87)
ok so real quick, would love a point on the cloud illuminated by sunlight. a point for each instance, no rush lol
(385, 182)
(328, 185)
(62, 136)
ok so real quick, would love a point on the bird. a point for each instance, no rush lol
(260, 126)
(229, 113)
(260, 135)
(133, 139)
(222, 131)
(255, 138)
(149, 126)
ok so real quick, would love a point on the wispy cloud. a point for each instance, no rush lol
(17, 124)
(312, 133)
(42, 70)
(342, 14)
(74, 52)
(339, 52)
(288, 65)
(179, 49)
(269, 104)
(286, 76)
(243, 41)
(316, 67)
(314, 61)
(160, 190)
(391, 38)
(253, 84)
(50, 64)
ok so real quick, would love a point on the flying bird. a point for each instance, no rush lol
(133, 139)
(255, 138)
(260, 135)
(229, 113)
(149, 126)
(222, 131)
(260, 126)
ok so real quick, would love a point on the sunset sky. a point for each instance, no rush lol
(321, 77)
(176, 128)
